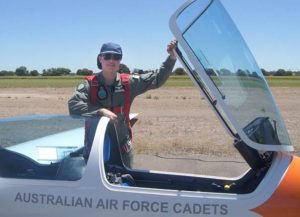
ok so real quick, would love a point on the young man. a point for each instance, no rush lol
(115, 93)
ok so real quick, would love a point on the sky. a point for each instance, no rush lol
(42, 34)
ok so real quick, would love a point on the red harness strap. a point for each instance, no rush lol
(94, 87)
(125, 79)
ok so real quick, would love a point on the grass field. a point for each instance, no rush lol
(35, 82)
(73, 81)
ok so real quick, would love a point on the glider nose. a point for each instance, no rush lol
(285, 201)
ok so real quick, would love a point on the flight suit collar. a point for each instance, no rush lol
(118, 79)
(102, 80)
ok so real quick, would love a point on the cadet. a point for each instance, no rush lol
(110, 94)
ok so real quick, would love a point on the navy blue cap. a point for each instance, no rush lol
(111, 48)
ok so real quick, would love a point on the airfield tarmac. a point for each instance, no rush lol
(176, 130)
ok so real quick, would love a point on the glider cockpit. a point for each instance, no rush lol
(57, 156)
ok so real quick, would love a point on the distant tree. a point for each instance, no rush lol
(56, 72)
(225, 72)
(64, 71)
(124, 69)
(84, 72)
(3, 73)
(34, 73)
(280, 72)
(210, 72)
(6, 73)
(21, 71)
(241, 72)
(254, 74)
(265, 72)
(179, 71)
(289, 73)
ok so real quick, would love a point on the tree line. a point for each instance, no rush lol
(280, 72)
(22, 71)
(224, 72)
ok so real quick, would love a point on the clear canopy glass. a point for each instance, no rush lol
(211, 37)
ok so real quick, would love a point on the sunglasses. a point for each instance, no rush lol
(112, 56)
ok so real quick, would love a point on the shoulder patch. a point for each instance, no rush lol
(135, 76)
(147, 77)
(80, 87)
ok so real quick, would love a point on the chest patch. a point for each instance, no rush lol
(102, 93)
(80, 87)
(119, 89)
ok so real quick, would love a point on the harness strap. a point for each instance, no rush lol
(125, 78)
(94, 86)
(118, 109)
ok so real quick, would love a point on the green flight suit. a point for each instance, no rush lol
(114, 96)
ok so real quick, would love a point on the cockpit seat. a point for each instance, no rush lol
(71, 168)
(17, 165)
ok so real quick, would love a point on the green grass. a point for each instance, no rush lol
(283, 81)
(179, 81)
(35, 82)
(73, 81)
(273, 81)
